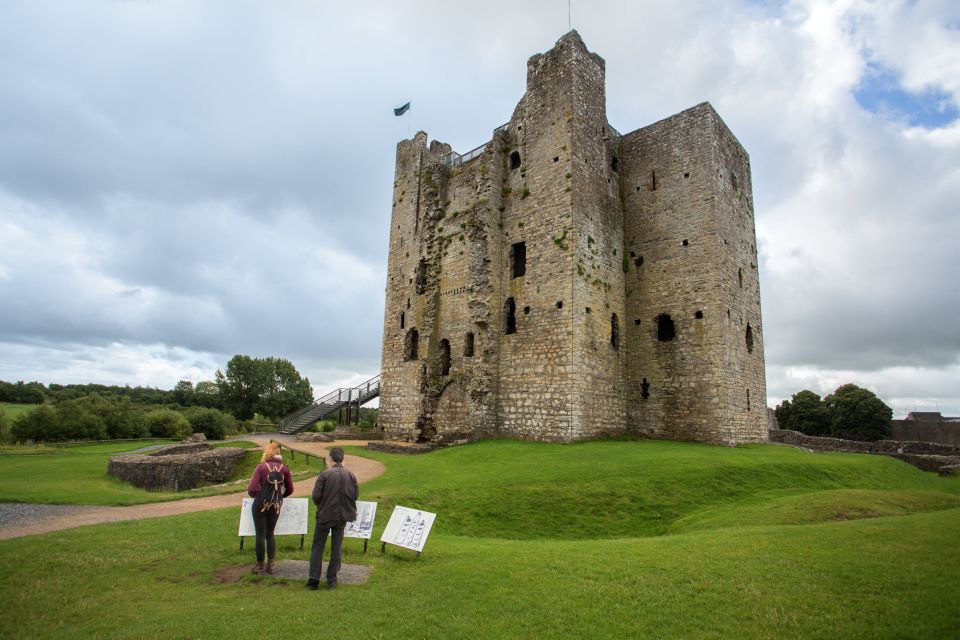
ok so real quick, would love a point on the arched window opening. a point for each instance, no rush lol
(615, 164)
(444, 357)
(665, 329)
(614, 331)
(514, 160)
(468, 346)
(749, 338)
(411, 345)
(510, 310)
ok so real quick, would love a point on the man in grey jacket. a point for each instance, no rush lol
(335, 495)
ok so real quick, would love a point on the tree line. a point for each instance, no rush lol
(248, 388)
(850, 413)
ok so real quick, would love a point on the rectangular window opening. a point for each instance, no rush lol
(518, 260)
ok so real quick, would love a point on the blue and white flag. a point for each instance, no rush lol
(399, 111)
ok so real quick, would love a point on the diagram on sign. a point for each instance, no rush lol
(292, 520)
(408, 528)
(362, 527)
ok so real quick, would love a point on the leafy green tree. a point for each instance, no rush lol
(167, 423)
(241, 386)
(183, 393)
(286, 391)
(5, 435)
(40, 424)
(858, 414)
(207, 394)
(270, 386)
(22, 392)
(804, 412)
(212, 423)
(80, 424)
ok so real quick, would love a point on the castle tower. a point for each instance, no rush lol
(528, 279)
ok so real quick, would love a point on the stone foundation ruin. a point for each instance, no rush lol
(927, 456)
(177, 467)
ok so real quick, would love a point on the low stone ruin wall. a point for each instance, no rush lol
(330, 436)
(412, 449)
(929, 456)
(177, 467)
(180, 447)
(315, 437)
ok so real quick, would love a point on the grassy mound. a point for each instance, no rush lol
(522, 490)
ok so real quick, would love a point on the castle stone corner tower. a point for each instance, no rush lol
(564, 281)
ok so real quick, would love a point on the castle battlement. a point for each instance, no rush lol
(563, 281)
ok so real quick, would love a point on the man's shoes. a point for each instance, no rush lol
(312, 585)
(332, 585)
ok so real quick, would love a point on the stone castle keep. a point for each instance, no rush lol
(565, 281)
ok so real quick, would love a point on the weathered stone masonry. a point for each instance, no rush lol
(567, 281)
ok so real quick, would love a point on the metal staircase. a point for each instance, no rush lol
(329, 404)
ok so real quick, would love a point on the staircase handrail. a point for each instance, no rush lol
(339, 395)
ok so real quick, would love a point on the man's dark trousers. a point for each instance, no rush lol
(316, 552)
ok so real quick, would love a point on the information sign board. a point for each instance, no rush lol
(408, 528)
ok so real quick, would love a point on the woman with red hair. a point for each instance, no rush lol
(271, 482)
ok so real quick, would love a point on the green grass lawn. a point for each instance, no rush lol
(78, 475)
(592, 540)
(14, 409)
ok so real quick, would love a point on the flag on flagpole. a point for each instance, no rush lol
(399, 111)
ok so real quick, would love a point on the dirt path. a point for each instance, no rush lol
(365, 470)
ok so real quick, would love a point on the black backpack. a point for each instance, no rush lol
(271, 491)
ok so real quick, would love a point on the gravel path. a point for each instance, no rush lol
(18, 520)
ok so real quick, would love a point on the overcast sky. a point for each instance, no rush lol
(182, 181)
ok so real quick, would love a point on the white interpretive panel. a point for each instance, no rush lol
(362, 527)
(408, 528)
(292, 521)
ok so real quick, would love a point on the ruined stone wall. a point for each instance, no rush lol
(927, 456)
(745, 384)
(685, 233)
(536, 369)
(468, 304)
(402, 377)
(443, 283)
(598, 284)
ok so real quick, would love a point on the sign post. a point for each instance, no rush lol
(362, 527)
(407, 528)
(292, 521)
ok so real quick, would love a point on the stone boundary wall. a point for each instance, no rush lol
(177, 467)
(330, 436)
(412, 449)
(942, 432)
(315, 437)
(928, 456)
(180, 448)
